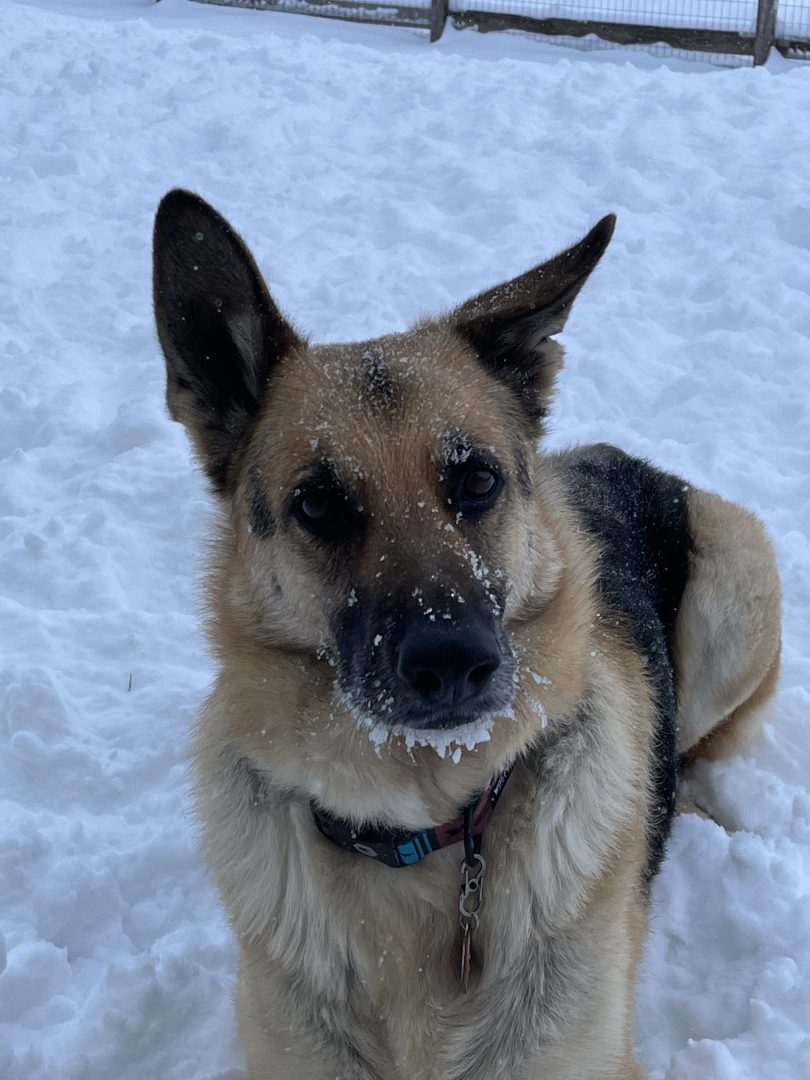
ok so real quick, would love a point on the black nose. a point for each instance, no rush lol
(449, 665)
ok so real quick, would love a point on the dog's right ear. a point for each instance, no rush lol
(511, 327)
(219, 329)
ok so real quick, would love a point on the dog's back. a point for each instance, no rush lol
(639, 517)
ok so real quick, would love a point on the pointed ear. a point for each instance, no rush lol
(219, 329)
(510, 326)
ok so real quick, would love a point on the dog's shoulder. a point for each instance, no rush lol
(638, 517)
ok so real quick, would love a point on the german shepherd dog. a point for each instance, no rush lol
(416, 615)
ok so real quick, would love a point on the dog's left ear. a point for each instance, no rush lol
(510, 326)
(219, 328)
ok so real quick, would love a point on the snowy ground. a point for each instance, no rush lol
(376, 178)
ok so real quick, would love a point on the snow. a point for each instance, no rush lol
(376, 178)
(445, 743)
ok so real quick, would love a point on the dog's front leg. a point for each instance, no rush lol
(276, 1049)
(634, 1072)
(630, 1070)
(291, 1032)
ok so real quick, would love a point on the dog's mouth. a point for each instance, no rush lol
(423, 675)
(482, 712)
(385, 714)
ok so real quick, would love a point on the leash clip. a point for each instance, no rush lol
(470, 902)
(471, 896)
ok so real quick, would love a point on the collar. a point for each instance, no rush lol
(396, 847)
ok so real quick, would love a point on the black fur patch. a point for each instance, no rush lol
(639, 516)
(522, 476)
(262, 522)
(379, 387)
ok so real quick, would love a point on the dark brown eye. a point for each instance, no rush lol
(326, 512)
(317, 505)
(479, 484)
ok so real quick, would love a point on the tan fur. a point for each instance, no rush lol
(348, 970)
(728, 634)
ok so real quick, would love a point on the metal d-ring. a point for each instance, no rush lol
(471, 895)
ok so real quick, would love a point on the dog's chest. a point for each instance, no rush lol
(366, 958)
(406, 955)
(524, 991)
(409, 983)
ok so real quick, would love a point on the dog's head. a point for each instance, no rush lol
(384, 497)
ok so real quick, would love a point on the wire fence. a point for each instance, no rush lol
(793, 28)
(727, 32)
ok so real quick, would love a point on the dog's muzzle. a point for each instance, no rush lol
(404, 668)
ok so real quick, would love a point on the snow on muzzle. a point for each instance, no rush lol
(425, 662)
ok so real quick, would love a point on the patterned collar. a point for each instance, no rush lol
(397, 847)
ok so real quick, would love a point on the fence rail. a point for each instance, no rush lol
(748, 29)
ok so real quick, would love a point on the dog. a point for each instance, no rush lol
(457, 676)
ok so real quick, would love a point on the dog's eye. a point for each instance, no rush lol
(317, 505)
(474, 488)
(479, 484)
(327, 513)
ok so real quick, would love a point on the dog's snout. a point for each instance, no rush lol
(447, 666)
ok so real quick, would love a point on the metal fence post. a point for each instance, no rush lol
(438, 17)
(766, 30)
